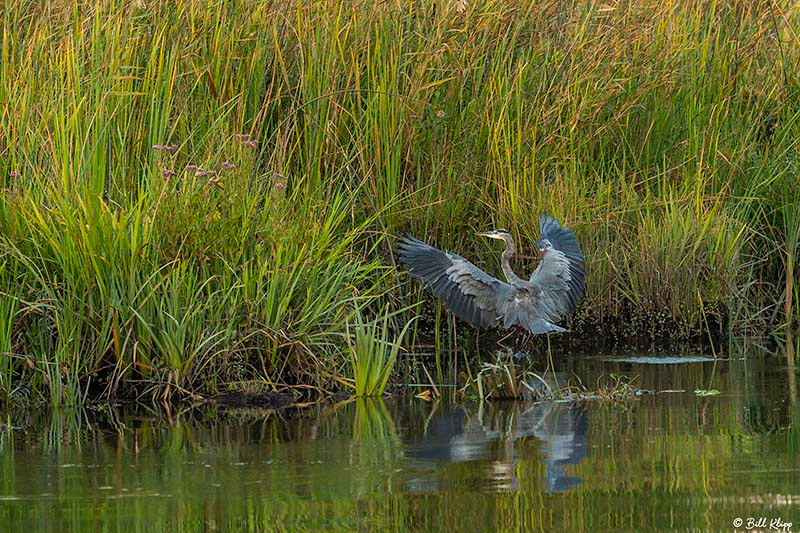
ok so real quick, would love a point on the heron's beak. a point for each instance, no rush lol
(491, 234)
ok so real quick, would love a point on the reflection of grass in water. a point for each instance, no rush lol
(373, 422)
(376, 449)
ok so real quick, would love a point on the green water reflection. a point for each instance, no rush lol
(668, 461)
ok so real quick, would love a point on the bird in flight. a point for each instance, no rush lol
(553, 291)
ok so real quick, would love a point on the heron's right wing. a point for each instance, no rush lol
(562, 240)
(468, 291)
(560, 274)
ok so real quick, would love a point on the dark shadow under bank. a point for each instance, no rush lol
(262, 400)
(588, 332)
(571, 365)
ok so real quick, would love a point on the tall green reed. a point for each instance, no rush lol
(9, 307)
(373, 353)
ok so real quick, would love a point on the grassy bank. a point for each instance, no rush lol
(197, 194)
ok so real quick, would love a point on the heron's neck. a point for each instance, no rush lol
(508, 253)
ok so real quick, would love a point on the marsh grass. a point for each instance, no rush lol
(192, 196)
(374, 351)
(8, 316)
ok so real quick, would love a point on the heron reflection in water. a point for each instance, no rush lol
(495, 435)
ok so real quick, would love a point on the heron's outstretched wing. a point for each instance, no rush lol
(560, 274)
(470, 292)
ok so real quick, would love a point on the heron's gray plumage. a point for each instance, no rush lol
(469, 291)
(562, 264)
(554, 290)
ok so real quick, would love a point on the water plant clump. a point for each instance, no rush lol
(507, 379)
(373, 353)
(514, 376)
(189, 202)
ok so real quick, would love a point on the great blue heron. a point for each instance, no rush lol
(554, 290)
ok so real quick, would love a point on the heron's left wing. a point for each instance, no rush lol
(468, 291)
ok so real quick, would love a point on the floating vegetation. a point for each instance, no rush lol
(704, 392)
(617, 388)
(510, 376)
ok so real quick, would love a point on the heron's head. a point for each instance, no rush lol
(544, 245)
(501, 234)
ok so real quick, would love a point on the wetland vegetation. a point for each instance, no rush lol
(205, 196)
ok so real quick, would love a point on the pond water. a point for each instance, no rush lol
(672, 460)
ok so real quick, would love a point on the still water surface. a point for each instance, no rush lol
(671, 460)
